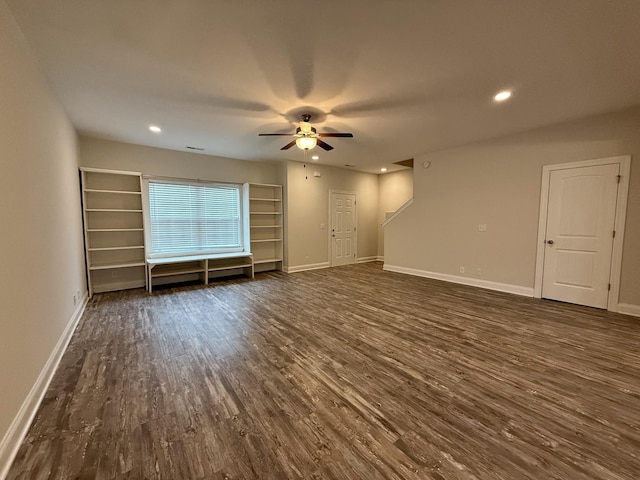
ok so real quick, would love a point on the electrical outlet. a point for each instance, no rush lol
(306, 259)
(478, 272)
(114, 274)
(461, 269)
(75, 300)
(482, 227)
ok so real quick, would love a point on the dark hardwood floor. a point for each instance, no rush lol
(347, 373)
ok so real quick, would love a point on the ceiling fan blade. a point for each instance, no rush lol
(289, 145)
(275, 134)
(323, 145)
(348, 135)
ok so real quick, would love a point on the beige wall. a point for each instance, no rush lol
(41, 243)
(308, 204)
(107, 154)
(394, 190)
(307, 207)
(497, 183)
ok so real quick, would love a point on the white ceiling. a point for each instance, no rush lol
(405, 76)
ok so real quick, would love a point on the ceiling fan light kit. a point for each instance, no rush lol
(306, 143)
(306, 136)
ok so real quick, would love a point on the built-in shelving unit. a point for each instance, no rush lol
(263, 225)
(203, 267)
(113, 229)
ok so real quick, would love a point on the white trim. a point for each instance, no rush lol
(618, 241)
(113, 172)
(406, 205)
(186, 181)
(367, 259)
(355, 231)
(20, 425)
(629, 309)
(473, 282)
(621, 213)
(302, 268)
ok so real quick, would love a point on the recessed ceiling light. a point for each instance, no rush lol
(155, 128)
(502, 96)
(315, 157)
(383, 169)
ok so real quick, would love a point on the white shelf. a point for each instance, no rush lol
(90, 230)
(176, 270)
(230, 267)
(195, 258)
(118, 210)
(265, 204)
(265, 200)
(109, 266)
(264, 185)
(112, 202)
(107, 249)
(118, 192)
(267, 260)
(175, 266)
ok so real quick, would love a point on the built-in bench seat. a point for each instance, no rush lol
(203, 265)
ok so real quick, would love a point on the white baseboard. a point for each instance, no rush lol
(369, 259)
(18, 429)
(473, 282)
(629, 309)
(302, 268)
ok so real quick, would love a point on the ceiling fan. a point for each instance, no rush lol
(306, 136)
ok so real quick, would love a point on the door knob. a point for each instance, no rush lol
(550, 242)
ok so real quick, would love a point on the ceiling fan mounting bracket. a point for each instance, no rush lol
(310, 133)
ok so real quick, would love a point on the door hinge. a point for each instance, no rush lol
(619, 177)
(614, 234)
(609, 287)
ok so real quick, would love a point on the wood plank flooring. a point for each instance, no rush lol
(346, 373)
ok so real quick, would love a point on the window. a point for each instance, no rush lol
(194, 218)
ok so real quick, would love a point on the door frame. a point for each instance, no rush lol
(620, 217)
(330, 225)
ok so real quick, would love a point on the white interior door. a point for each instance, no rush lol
(579, 234)
(343, 229)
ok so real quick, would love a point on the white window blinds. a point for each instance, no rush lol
(194, 218)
